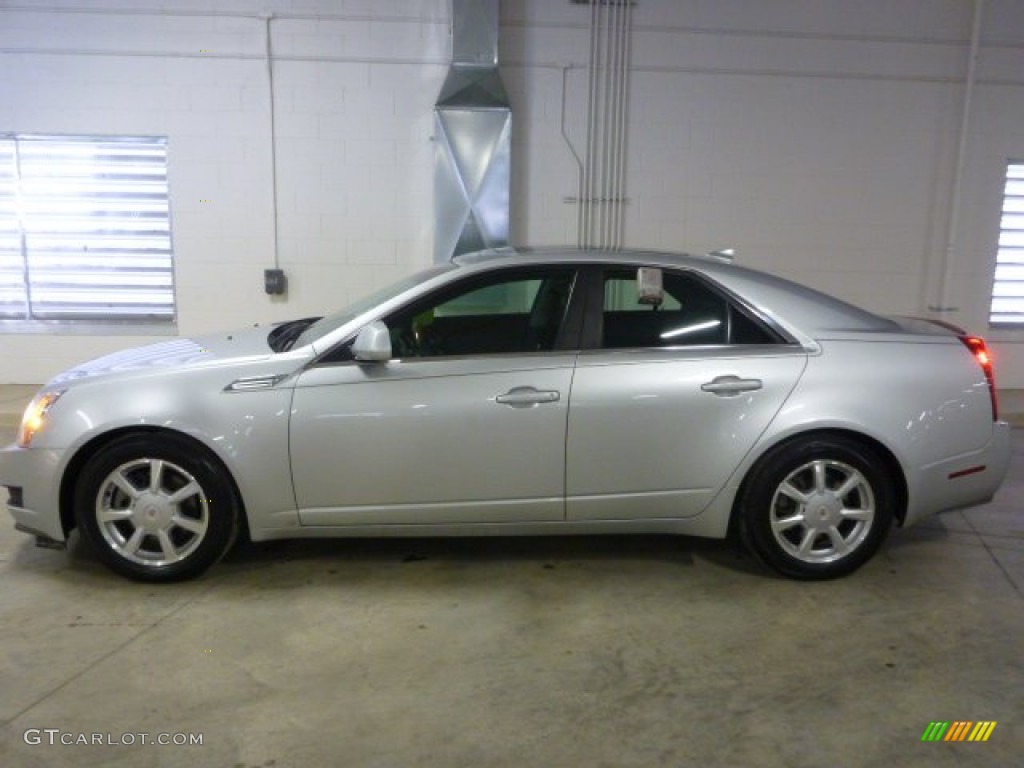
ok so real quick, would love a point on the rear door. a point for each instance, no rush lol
(670, 397)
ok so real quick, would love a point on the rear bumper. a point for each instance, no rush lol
(35, 474)
(962, 481)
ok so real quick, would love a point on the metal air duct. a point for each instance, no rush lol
(472, 124)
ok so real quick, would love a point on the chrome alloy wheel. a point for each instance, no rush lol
(822, 511)
(152, 512)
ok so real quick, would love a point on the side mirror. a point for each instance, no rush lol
(372, 344)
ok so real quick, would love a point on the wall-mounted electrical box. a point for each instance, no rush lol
(274, 282)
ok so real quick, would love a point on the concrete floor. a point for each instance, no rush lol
(638, 651)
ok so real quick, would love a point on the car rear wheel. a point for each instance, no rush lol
(156, 508)
(817, 508)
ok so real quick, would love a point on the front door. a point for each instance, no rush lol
(466, 424)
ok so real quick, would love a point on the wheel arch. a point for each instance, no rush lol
(892, 467)
(87, 450)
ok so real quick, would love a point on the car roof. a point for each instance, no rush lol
(524, 255)
(799, 308)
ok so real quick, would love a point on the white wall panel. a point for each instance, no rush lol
(818, 137)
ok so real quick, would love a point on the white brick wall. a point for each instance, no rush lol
(816, 136)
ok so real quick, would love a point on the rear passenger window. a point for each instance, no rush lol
(690, 314)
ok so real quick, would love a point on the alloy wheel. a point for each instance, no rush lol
(822, 511)
(152, 512)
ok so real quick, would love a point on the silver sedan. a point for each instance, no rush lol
(522, 392)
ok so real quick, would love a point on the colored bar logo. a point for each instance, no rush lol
(958, 730)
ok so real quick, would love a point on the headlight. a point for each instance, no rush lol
(35, 416)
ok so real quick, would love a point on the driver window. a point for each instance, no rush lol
(515, 311)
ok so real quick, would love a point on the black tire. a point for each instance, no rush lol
(169, 530)
(817, 508)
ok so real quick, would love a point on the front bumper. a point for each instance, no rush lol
(36, 472)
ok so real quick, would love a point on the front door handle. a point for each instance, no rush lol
(524, 397)
(730, 386)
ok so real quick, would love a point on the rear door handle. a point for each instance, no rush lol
(730, 386)
(524, 397)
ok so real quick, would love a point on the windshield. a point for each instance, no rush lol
(325, 325)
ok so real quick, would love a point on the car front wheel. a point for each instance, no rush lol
(156, 508)
(817, 508)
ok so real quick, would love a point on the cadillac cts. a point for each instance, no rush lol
(522, 392)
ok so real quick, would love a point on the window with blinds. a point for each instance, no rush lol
(1008, 289)
(85, 232)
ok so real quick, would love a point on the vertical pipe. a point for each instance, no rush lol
(576, 158)
(613, 133)
(599, 114)
(623, 125)
(613, 128)
(601, 215)
(273, 137)
(616, 204)
(602, 155)
(953, 221)
(586, 203)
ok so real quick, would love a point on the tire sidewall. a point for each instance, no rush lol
(769, 473)
(222, 526)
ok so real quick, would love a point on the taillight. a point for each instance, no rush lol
(979, 349)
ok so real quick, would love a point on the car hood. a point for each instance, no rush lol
(177, 353)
